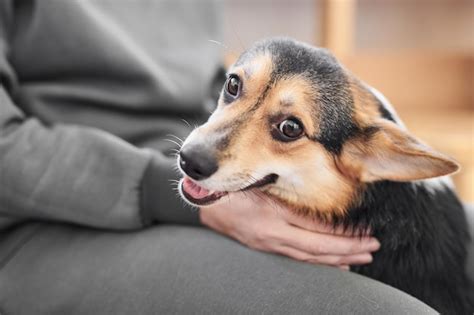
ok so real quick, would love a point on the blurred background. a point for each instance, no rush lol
(419, 53)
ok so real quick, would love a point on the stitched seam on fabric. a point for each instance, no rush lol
(144, 211)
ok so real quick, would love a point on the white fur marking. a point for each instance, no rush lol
(434, 185)
(388, 106)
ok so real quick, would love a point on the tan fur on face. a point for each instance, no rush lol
(366, 109)
(255, 76)
(295, 95)
(309, 181)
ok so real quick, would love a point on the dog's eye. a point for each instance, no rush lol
(291, 129)
(232, 85)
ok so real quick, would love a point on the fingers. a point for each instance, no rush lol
(326, 244)
(312, 224)
(307, 223)
(331, 260)
(358, 259)
(276, 229)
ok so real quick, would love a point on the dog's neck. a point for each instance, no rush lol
(388, 206)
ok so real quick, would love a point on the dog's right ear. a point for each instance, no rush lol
(386, 152)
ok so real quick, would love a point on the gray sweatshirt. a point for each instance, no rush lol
(86, 87)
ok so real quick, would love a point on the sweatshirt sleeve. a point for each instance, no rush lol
(158, 200)
(68, 173)
(63, 173)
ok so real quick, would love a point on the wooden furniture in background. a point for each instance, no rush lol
(432, 90)
(338, 25)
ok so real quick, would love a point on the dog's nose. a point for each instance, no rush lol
(197, 162)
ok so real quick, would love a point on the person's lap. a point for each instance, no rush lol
(177, 269)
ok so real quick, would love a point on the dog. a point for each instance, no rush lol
(293, 123)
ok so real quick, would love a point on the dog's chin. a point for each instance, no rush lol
(199, 196)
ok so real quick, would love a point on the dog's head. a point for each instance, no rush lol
(293, 123)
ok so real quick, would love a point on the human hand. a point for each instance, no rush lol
(263, 224)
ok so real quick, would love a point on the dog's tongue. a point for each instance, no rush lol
(194, 190)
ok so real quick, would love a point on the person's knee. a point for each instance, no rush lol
(176, 269)
(213, 273)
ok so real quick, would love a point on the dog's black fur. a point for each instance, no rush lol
(423, 236)
(423, 233)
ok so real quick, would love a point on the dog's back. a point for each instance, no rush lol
(423, 232)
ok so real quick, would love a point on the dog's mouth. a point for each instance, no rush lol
(200, 196)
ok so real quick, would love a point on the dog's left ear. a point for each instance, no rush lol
(386, 152)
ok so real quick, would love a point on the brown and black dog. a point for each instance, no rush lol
(296, 125)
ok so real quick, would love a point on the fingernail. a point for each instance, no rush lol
(345, 267)
(369, 258)
(362, 258)
(374, 244)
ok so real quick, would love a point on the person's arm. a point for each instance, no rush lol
(68, 173)
(71, 173)
(264, 224)
(80, 175)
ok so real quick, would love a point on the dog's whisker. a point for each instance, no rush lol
(218, 43)
(295, 191)
(238, 37)
(176, 137)
(268, 201)
(233, 52)
(186, 122)
(174, 142)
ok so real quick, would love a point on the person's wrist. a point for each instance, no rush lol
(159, 202)
(147, 196)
